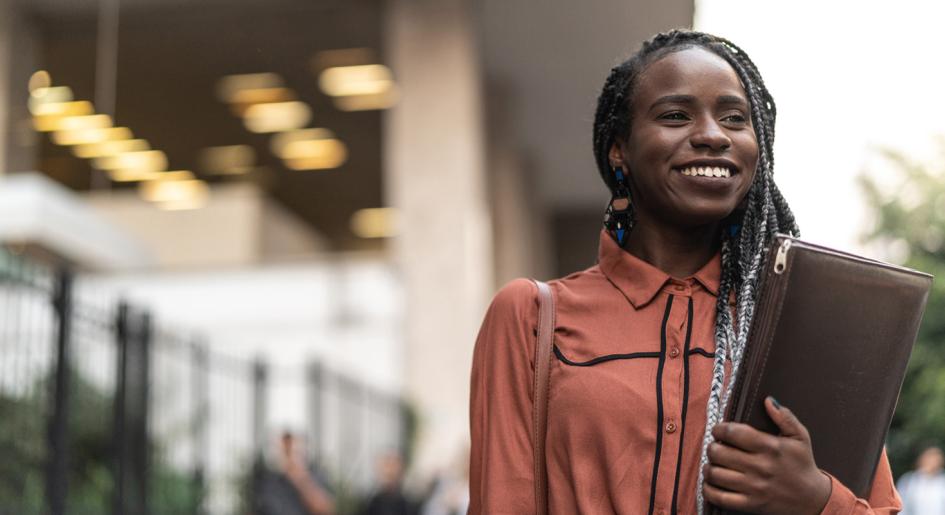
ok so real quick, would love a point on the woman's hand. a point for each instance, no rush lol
(756, 472)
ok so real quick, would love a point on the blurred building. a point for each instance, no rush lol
(351, 179)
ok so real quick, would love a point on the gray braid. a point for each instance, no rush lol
(766, 211)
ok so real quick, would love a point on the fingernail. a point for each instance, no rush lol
(777, 405)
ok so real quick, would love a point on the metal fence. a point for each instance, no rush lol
(105, 410)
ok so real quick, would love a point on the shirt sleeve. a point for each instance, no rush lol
(501, 479)
(883, 498)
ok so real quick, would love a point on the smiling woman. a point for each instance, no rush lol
(647, 341)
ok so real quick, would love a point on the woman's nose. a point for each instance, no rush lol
(709, 134)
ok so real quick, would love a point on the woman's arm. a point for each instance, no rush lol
(501, 480)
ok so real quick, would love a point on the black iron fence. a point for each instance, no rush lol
(105, 410)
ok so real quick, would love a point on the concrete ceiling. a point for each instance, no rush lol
(551, 59)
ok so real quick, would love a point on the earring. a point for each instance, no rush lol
(617, 220)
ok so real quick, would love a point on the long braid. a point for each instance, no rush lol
(766, 211)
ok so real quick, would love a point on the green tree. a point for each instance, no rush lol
(909, 209)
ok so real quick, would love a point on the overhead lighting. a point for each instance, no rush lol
(343, 57)
(244, 99)
(371, 102)
(39, 79)
(310, 149)
(143, 162)
(368, 79)
(49, 95)
(227, 160)
(60, 109)
(175, 194)
(281, 140)
(136, 176)
(381, 222)
(72, 123)
(110, 148)
(230, 86)
(90, 136)
(276, 117)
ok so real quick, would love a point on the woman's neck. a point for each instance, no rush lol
(680, 252)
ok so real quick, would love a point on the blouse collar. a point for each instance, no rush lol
(640, 281)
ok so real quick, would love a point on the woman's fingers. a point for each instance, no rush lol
(732, 458)
(745, 437)
(727, 479)
(724, 498)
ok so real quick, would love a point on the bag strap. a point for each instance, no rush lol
(546, 335)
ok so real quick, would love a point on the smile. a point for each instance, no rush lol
(706, 171)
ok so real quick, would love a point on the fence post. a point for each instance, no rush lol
(260, 392)
(130, 424)
(58, 465)
(201, 390)
(315, 388)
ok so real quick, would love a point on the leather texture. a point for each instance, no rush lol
(831, 338)
(546, 334)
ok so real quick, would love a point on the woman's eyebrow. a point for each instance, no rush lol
(674, 99)
(731, 99)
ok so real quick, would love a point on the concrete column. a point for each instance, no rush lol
(6, 46)
(435, 174)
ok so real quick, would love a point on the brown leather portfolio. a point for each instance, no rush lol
(830, 339)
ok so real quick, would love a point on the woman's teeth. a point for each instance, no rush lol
(707, 171)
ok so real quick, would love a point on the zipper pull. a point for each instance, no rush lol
(780, 261)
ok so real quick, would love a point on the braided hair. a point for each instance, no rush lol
(765, 212)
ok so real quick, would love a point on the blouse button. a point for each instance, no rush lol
(670, 427)
(679, 287)
(674, 352)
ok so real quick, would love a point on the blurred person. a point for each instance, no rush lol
(389, 499)
(683, 138)
(294, 487)
(923, 490)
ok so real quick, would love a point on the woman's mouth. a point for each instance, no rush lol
(706, 171)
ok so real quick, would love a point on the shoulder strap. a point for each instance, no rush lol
(546, 335)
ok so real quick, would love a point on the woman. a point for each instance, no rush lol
(646, 340)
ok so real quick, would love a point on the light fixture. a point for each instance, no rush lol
(281, 140)
(91, 136)
(380, 222)
(276, 117)
(143, 162)
(371, 102)
(230, 86)
(175, 194)
(60, 109)
(365, 79)
(49, 95)
(318, 154)
(109, 148)
(72, 123)
(39, 79)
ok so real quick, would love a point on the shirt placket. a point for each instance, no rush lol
(673, 392)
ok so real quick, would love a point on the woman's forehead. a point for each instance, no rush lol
(692, 71)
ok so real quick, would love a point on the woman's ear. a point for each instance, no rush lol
(616, 156)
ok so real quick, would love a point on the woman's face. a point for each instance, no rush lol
(692, 152)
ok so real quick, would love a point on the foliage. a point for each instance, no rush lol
(910, 221)
(23, 446)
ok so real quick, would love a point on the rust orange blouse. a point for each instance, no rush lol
(627, 405)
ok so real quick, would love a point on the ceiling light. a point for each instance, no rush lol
(276, 117)
(381, 222)
(39, 79)
(176, 194)
(49, 95)
(243, 99)
(371, 102)
(75, 108)
(109, 148)
(136, 176)
(281, 140)
(143, 162)
(231, 85)
(90, 136)
(356, 80)
(72, 123)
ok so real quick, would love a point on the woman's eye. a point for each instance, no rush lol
(735, 118)
(674, 115)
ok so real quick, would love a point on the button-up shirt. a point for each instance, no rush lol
(630, 378)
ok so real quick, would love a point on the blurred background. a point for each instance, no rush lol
(247, 244)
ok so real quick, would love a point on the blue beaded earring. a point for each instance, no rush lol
(617, 220)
